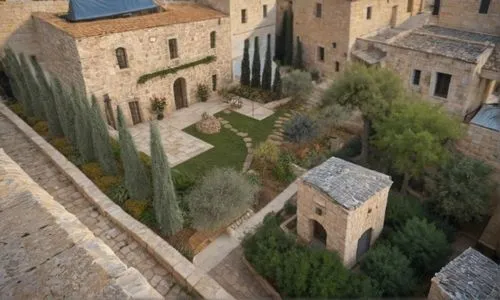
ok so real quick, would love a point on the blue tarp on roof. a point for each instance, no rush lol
(93, 9)
(488, 117)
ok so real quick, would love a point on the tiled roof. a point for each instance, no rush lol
(173, 14)
(346, 183)
(470, 276)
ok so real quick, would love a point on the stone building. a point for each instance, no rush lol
(342, 206)
(469, 276)
(190, 43)
(328, 29)
(250, 19)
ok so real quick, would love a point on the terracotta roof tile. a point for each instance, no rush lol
(173, 14)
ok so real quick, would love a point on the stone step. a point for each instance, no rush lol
(276, 137)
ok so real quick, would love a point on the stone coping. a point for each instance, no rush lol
(195, 279)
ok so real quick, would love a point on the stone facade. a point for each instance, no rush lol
(464, 14)
(341, 22)
(483, 144)
(16, 27)
(349, 210)
(92, 56)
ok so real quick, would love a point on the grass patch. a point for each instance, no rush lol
(229, 151)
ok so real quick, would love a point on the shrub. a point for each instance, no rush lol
(462, 190)
(42, 128)
(182, 181)
(289, 208)
(424, 244)
(220, 197)
(298, 85)
(401, 208)
(315, 75)
(63, 146)
(145, 159)
(135, 208)
(115, 146)
(351, 149)
(301, 129)
(105, 183)
(118, 194)
(283, 169)
(17, 108)
(202, 92)
(267, 153)
(313, 158)
(390, 269)
(92, 170)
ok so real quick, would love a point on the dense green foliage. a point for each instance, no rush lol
(245, 65)
(102, 143)
(298, 85)
(163, 73)
(390, 269)
(462, 190)
(222, 196)
(267, 73)
(298, 271)
(400, 209)
(255, 82)
(167, 212)
(202, 92)
(83, 130)
(425, 246)
(277, 83)
(298, 62)
(301, 129)
(136, 178)
(11, 66)
(32, 105)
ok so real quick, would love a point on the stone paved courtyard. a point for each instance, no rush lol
(45, 173)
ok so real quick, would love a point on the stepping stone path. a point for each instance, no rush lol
(276, 136)
(246, 139)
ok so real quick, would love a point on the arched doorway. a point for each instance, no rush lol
(180, 93)
(319, 232)
(364, 243)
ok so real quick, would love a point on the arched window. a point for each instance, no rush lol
(213, 39)
(121, 56)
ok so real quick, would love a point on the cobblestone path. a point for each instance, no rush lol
(45, 173)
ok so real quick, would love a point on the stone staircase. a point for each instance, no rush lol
(276, 136)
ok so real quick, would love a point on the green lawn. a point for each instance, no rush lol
(229, 149)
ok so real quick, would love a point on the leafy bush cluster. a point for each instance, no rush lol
(202, 92)
(301, 129)
(298, 85)
(298, 271)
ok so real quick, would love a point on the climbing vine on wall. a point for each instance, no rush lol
(162, 73)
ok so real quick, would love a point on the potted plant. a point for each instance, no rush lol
(158, 106)
(202, 92)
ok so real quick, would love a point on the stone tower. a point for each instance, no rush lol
(342, 206)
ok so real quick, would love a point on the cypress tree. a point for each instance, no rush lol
(83, 129)
(11, 66)
(267, 74)
(168, 214)
(61, 99)
(70, 112)
(102, 144)
(289, 39)
(277, 83)
(245, 65)
(299, 62)
(280, 39)
(256, 64)
(30, 84)
(136, 178)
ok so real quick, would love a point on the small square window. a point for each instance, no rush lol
(334, 45)
(319, 211)
(243, 16)
(442, 85)
(172, 47)
(368, 12)
(337, 66)
(484, 6)
(264, 11)
(321, 54)
(319, 10)
(416, 77)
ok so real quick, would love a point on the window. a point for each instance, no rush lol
(321, 54)
(319, 10)
(243, 16)
(483, 8)
(214, 82)
(442, 85)
(435, 9)
(337, 66)
(416, 77)
(409, 7)
(368, 12)
(121, 56)
(135, 112)
(319, 211)
(172, 47)
(334, 45)
(213, 39)
(264, 11)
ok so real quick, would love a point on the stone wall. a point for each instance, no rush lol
(48, 253)
(344, 227)
(147, 52)
(16, 27)
(464, 86)
(483, 144)
(435, 292)
(464, 14)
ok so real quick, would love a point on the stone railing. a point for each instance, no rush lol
(193, 278)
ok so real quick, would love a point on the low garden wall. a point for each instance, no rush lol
(195, 279)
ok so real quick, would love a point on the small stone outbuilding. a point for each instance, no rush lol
(469, 276)
(342, 205)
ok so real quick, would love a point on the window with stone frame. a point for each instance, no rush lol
(213, 39)
(415, 79)
(214, 82)
(442, 88)
(172, 48)
(484, 6)
(264, 11)
(121, 57)
(337, 66)
(334, 45)
(321, 54)
(135, 112)
(319, 10)
(243, 16)
(369, 13)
